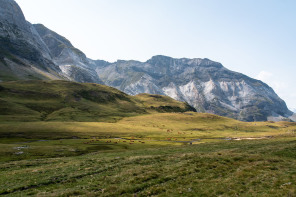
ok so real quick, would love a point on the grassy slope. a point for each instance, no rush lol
(136, 150)
(69, 101)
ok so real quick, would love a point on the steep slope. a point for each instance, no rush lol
(23, 55)
(204, 84)
(70, 101)
(34, 52)
(73, 63)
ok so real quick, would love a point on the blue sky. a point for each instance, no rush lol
(254, 37)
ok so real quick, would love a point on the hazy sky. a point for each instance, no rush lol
(254, 37)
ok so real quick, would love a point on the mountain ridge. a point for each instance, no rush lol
(74, 64)
(206, 85)
(35, 52)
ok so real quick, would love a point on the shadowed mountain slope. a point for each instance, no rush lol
(34, 52)
(71, 101)
(23, 54)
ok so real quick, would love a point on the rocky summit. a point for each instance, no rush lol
(35, 52)
(204, 84)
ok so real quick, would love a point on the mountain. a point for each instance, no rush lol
(35, 52)
(204, 84)
(74, 64)
(23, 54)
(33, 100)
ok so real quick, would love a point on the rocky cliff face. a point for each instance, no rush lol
(74, 64)
(204, 84)
(35, 52)
(23, 54)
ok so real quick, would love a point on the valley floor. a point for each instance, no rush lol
(230, 168)
(170, 154)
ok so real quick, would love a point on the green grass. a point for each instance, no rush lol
(148, 155)
(228, 168)
(68, 101)
(162, 129)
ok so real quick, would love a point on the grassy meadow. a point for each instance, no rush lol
(226, 168)
(70, 139)
(160, 154)
(22, 140)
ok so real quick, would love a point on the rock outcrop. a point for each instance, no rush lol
(204, 84)
(34, 52)
(74, 64)
(23, 53)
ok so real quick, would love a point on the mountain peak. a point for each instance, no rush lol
(44, 31)
(160, 60)
(11, 13)
(164, 61)
(160, 57)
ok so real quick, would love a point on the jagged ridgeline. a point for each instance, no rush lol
(206, 85)
(35, 52)
(70, 101)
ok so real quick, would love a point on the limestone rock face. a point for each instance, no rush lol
(16, 30)
(23, 54)
(34, 52)
(204, 84)
(12, 14)
(74, 64)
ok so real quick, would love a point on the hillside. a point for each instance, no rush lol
(35, 52)
(23, 55)
(71, 101)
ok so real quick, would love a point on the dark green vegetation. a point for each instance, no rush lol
(70, 101)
